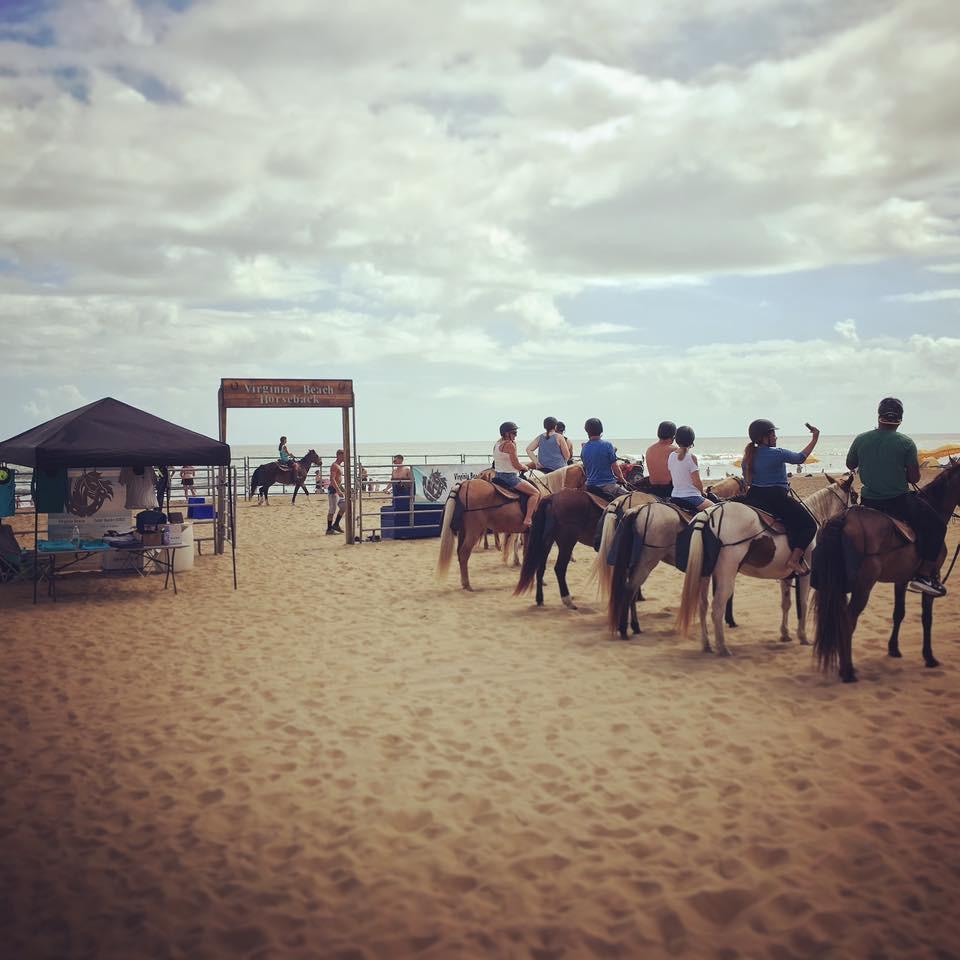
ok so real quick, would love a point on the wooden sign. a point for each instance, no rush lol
(286, 393)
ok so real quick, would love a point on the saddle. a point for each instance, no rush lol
(502, 490)
(901, 526)
(772, 523)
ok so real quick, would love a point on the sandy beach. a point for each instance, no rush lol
(346, 759)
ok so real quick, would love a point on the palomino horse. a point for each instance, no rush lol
(747, 541)
(885, 557)
(728, 487)
(472, 508)
(631, 547)
(568, 517)
(267, 474)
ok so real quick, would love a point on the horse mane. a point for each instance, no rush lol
(936, 490)
(818, 499)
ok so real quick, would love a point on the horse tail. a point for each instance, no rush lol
(538, 543)
(619, 574)
(690, 594)
(833, 632)
(602, 570)
(447, 533)
(255, 480)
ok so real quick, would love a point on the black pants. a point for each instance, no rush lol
(927, 524)
(801, 527)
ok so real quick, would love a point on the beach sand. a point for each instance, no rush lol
(347, 759)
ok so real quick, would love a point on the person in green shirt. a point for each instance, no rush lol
(887, 461)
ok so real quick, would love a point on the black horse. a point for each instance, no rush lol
(267, 474)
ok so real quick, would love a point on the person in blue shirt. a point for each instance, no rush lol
(764, 468)
(603, 472)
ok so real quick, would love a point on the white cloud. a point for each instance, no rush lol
(926, 296)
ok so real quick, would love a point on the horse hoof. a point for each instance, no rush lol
(732, 624)
(894, 653)
(568, 602)
(932, 662)
(622, 634)
(635, 629)
(787, 639)
(849, 678)
(724, 653)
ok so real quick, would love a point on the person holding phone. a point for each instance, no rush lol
(765, 470)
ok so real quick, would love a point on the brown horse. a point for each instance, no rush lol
(472, 508)
(884, 557)
(267, 474)
(567, 518)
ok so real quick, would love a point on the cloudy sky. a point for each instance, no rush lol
(707, 210)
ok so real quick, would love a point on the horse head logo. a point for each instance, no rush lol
(435, 486)
(89, 492)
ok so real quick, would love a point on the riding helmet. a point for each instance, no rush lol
(759, 429)
(890, 410)
(593, 427)
(508, 426)
(685, 436)
(550, 423)
(667, 430)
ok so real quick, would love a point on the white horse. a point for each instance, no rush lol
(749, 543)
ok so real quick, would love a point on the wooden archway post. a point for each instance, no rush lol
(299, 394)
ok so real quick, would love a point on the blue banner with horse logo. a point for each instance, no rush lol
(434, 481)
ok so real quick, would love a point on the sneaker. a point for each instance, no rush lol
(331, 532)
(928, 586)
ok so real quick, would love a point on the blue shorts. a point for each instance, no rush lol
(688, 503)
(508, 480)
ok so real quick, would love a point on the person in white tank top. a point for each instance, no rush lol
(685, 474)
(508, 468)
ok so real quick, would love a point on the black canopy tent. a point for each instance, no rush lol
(110, 433)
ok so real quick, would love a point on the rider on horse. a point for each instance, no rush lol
(548, 449)
(508, 469)
(764, 468)
(603, 471)
(661, 484)
(887, 461)
(685, 475)
(285, 458)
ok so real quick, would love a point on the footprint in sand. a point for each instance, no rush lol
(767, 857)
(722, 906)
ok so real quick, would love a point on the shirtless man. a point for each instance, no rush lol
(335, 495)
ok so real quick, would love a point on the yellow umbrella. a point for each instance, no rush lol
(947, 450)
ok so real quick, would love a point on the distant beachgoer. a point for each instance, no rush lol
(888, 462)
(764, 468)
(658, 453)
(508, 468)
(604, 475)
(318, 477)
(336, 500)
(548, 450)
(685, 474)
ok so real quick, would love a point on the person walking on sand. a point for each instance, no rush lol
(604, 475)
(187, 473)
(687, 492)
(764, 469)
(887, 461)
(508, 468)
(336, 499)
(548, 450)
(661, 483)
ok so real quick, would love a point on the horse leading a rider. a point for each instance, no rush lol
(508, 468)
(684, 470)
(604, 475)
(764, 469)
(549, 449)
(888, 462)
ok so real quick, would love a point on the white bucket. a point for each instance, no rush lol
(183, 557)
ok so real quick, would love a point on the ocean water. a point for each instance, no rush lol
(716, 453)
